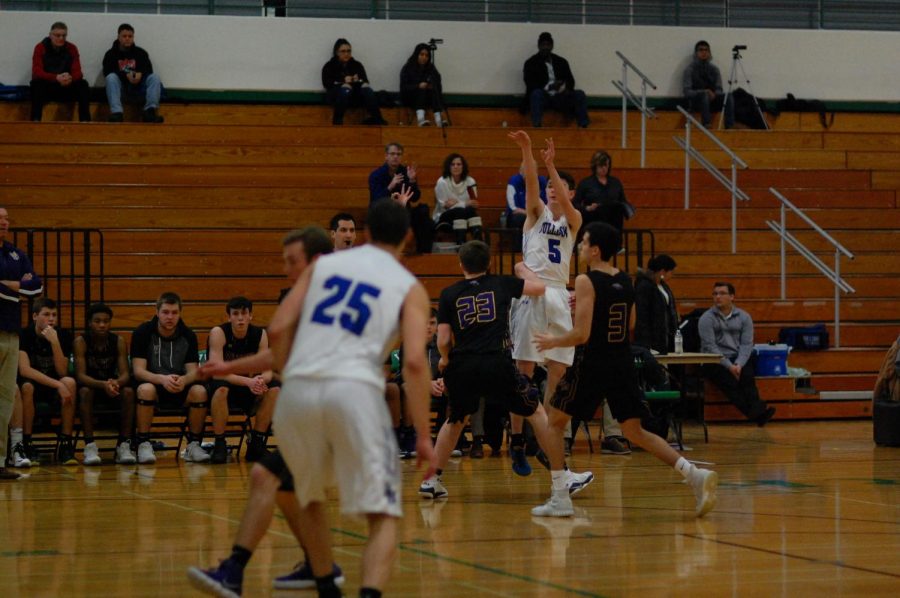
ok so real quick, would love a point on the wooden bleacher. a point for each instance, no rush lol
(198, 205)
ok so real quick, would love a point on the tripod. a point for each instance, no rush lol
(433, 44)
(737, 65)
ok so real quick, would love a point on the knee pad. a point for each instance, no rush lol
(146, 402)
(460, 224)
(474, 222)
(202, 405)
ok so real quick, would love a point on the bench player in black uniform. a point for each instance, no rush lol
(271, 481)
(101, 370)
(473, 319)
(604, 317)
(252, 391)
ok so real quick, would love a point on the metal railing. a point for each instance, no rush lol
(730, 184)
(800, 14)
(834, 275)
(627, 95)
(70, 261)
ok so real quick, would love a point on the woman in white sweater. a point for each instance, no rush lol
(456, 199)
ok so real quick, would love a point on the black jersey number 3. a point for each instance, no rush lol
(618, 313)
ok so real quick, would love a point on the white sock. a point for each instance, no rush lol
(685, 467)
(420, 116)
(15, 436)
(558, 477)
(438, 119)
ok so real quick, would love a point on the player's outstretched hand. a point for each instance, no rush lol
(212, 368)
(544, 341)
(521, 138)
(549, 154)
(425, 454)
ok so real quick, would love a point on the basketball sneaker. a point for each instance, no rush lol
(705, 482)
(145, 453)
(91, 454)
(124, 456)
(194, 453)
(576, 482)
(66, 453)
(301, 578)
(559, 505)
(520, 465)
(18, 456)
(432, 488)
(225, 581)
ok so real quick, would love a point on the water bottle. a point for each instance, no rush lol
(679, 341)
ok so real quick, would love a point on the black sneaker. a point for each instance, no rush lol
(66, 454)
(150, 116)
(116, 117)
(32, 453)
(767, 415)
(220, 452)
(226, 580)
(256, 451)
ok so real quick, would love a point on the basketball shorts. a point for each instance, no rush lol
(494, 377)
(548, 314)
(338, 432)
(592, 379)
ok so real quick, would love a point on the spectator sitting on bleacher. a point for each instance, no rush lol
(346, 83)
(728, 330)
(549, 83)
(101, 369)
(601, 197)
(128, 70)
(43, 367)
(702, 83)
(165, 355)
(515, 198)
(654, 304)
(254, 392)
(394, 180)
(343, 231)
(456, 199)
(420, 86)
(56, 74)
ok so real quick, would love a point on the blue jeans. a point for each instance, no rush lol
(568, 102)
(702, 103)
(149, 88)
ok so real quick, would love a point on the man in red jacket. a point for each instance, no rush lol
(56, 74)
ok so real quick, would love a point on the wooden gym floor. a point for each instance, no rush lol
(805, 509)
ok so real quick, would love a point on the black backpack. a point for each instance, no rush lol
(690, 330)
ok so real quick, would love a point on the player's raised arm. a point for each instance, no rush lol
(533, 204)
(563, 193)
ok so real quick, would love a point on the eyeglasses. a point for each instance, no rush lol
(347, 51)
(395, 153)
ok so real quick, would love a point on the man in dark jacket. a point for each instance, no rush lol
(56, 74)
(128, 70)
(549, 83)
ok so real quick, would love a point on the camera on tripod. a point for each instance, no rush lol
(736, 51)
(434, 42)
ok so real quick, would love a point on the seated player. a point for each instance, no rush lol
(43, 367)
(250, 391)
(164, 355)
(101, 369)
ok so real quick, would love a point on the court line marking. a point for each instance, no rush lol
(402, 546)
(794, 556)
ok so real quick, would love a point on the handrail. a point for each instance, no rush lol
(834, 275)
(646, 112)
(690, 152)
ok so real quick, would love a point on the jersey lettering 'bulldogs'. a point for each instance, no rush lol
(547, 248)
